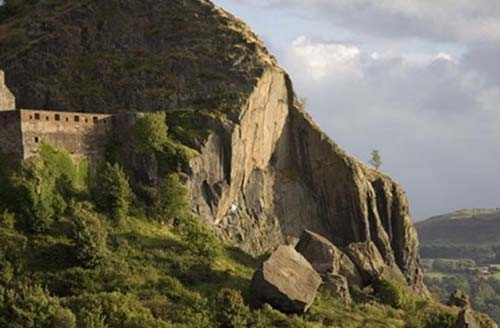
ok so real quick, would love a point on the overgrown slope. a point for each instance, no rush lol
(264, 170)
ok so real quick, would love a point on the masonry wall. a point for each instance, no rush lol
(7, 99)
(82, 135)
(10, 133)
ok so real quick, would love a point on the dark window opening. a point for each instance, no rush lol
(67, 119)
(86, 120)
(36, 140)
(57, 117)
(37, 116)
(31, 117)
(46, 118)
(77, 118)
(94, 119)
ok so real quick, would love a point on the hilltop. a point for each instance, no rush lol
(461, 250)
(468, 227)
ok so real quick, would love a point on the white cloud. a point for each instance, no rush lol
(322, 59)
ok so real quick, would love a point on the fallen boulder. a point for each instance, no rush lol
(371, 265)
(286, 281)
(326, 258)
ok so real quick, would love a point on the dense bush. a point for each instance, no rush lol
(151, 132)
(200, 240)
(231, 311)
(33, 307)
(89, 237)
(167, 202)
(41, 189)
(390, 293)
(111, 191)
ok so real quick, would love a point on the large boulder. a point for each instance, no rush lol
(370, 263)
(326, 258)
(286, 281)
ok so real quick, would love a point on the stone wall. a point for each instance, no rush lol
(82, 135)
(10, 133)
(7, 99)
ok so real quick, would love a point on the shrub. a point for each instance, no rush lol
(121, 310)
(42, 189)
(390, 293)
(33, 307)
(200, 240)
(231, 311)
(151, 132)
(111, 191)
(89, 237)
(171, 200)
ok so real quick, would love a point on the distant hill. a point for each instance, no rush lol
(461, 250)
(466, 227)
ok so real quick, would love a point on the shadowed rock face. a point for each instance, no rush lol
(265, 172)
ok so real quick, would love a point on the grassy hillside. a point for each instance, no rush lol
(82, 247)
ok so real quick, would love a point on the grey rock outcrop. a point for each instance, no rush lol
(371, 264)
(326, 258)
(286, 281)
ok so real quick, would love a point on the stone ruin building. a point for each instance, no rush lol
(22, 130)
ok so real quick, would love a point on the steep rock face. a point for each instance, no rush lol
(283, 174)
(265, 172)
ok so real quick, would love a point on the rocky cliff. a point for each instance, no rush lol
(265, 171)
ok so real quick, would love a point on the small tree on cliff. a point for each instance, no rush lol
(376, 160)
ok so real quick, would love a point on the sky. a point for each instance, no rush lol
(417, 80)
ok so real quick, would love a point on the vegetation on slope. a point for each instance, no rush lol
(81, 247)
(461, 251)
(115, 55)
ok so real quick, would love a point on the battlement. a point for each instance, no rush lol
(81, 134)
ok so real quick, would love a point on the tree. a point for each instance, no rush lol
(231, 311)
(200, 240)
(151, 132)
(376, 160)
(89, 237)
(173, 198)
(111, 191)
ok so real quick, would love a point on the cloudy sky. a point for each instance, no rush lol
(418, 80)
